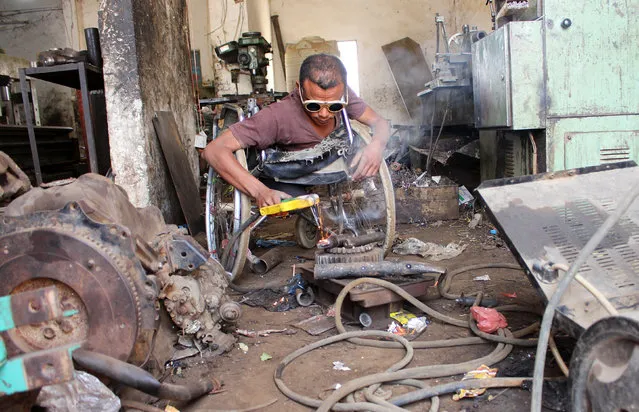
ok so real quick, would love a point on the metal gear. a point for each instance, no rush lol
(371, 255)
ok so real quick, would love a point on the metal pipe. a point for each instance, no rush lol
(138, 378)
(94, 53)
(347, 124)
(267, 261)
(384, 268)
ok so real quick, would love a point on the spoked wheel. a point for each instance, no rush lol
(361, 207)
(226, 209)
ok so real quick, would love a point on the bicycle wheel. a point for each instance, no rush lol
(362, 207)
(226, 209)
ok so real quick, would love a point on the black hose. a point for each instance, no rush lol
(235, 236)
(137, 378)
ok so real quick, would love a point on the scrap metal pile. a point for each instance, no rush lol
(115, 268)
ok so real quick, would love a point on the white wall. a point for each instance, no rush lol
(373, 23)
(44, 29)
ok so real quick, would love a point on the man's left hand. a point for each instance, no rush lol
(366, 162)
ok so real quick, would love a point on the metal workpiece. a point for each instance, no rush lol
(263, 264)
(375, 269)
(350, 241)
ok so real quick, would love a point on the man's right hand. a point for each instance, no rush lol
(268, 197)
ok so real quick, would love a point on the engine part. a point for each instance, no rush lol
(350, 240)
(383, 268)
(110, 262)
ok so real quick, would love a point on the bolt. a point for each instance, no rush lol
(48, 371)
(66, 326)
(48, 333)
(91, 264)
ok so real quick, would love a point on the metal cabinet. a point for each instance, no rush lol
(508, 80)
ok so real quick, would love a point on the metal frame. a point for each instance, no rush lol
(80, 82)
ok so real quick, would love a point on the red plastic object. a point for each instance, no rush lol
(488, 319)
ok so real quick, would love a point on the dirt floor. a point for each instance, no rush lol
(248, 380)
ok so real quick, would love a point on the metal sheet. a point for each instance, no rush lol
(410, 71)
(526, 75)
(551, 216)
(491, 80)
(181, 174)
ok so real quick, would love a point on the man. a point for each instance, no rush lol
(301, 120)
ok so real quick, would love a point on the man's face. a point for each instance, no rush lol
(311, 91)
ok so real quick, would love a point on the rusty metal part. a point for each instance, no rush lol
(351, 240)
(372, 255)
(184, 253)
(138, 378)
(35, 306)
(193, 301)
(109, 261)
(230, 311)
(350, 250)
(13, 181)
(266, 262)
(47, 367)
(93, 266)
(384, 268)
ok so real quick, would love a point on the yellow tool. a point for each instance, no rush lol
(288, 205)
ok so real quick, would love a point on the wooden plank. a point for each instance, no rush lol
(181, 174)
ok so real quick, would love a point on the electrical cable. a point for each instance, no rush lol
(553, 303)
(445, 280)
(590, 287)
(555, 353)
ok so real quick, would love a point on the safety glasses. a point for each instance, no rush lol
(314, 106)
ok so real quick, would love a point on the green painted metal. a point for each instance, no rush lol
(508, 81)
(12, 377)
(592, 60)
(591, 141)
(6, 315)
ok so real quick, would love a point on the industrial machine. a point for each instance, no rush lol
(547, 220)
(121, 277)
(249, 54)
(555, 87)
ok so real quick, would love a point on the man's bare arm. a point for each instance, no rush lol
(368, 160)
(219, 154)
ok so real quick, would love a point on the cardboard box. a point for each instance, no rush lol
(419, 204)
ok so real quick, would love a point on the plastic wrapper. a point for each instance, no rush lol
(483, 372)
(84, 393)
(488, 319)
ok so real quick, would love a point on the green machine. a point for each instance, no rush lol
(556, 86)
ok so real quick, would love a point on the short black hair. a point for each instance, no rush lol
(325, 70)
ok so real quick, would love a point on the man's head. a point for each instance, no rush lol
(322, 78)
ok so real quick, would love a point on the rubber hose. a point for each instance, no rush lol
(422, 394)
(229, 246)
(423, 372)
(138, 378)
(401, 292)
(446, 343)
(370, 396)
(314, 403)
(446, 279)
(553, 303)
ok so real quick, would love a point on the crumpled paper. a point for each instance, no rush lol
(432, 251)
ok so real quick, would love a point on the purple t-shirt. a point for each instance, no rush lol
(286, 124)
